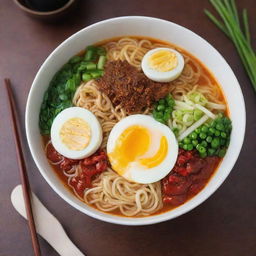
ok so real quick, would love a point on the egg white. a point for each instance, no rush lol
(160, 76)
(87, 116)
(137, 172)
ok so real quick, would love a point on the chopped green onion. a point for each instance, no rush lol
(89, 55)
(101, 62)
(96, 73)
(64, 83)
(86, 77)
(91, 66)
(101, 51)
(75, 59)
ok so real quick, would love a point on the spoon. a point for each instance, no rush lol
(46, 224)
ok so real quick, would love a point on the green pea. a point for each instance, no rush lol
(187, 140)
(160, 107)
(198, 147)
(197, 130)
(203, 155)
(158, 115)
(223, 135)
(209, 139)
(185, 147)
(190, 146)
(222, 142)
(180, 144)
(211, 151)
(202, 135)
(154, 113)
(220, 127)
(211, 130)
(217, 133)
(203, 143)
(170, 102)
(166, 116)
(213, 124)
(227, 121)
(195, 142)
(161, 102)
(161, 120)
(222, 152)
(168, 97)
(193, 135)
(202, 149)
(168, 111)
(204, 129)
(215, 143)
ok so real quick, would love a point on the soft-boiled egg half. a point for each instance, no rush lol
(141, 149)
(76, 133)
(162, 64)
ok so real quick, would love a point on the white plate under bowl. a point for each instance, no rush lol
(137, 26)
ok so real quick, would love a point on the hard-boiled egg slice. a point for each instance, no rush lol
(162, 64)
(76, 133)
(141, 149)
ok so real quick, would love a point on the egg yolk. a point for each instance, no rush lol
(158, 157)
(163, 61)
(75, 134)
(130, 147)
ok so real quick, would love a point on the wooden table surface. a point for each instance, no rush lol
(224, 225)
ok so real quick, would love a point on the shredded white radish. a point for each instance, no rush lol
(205, 110)
(215, 105)
(193, 127)
(183, 105)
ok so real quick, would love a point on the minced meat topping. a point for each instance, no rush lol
(129, 87)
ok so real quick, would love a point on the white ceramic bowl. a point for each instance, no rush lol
(141, 26)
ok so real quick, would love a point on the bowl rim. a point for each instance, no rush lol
(40, 13)
(137, 221)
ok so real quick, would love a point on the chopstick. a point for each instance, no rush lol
(22, 169)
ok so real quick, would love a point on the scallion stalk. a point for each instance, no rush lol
(101, 62)
(230, 25)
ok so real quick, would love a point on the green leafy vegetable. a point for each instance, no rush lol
(62, 87)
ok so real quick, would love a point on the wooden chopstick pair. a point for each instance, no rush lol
(22, 169)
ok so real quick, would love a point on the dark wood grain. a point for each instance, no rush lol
(224, 225)
(22, 167)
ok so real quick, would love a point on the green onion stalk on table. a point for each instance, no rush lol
(237, 31)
